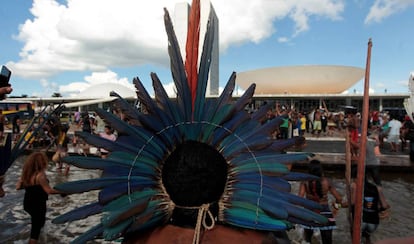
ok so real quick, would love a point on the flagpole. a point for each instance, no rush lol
(356, 233)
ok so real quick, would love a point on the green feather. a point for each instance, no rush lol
(269, 167)
(246, 215)
(216, 120)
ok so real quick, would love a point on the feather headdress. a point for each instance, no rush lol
(190, 155)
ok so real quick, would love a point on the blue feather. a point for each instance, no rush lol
(144, 97)
(95, 184)
(241, 132)
(164, 101)
(245, 98)
(244, 158)
(178, 70)
(269, 127)
(266, 191)
(217, 119)
(236, 135)
(140, 135)
(264, 168)
(125, 107)
(236, 121)
(89, 235)
(154, 215)
(126, 206)
(154, 124)
(131, 159)
(267, 201)
(168, 107)
(296, 176)
(79, 213)
(223, 100)
(135, 171)
(254, 143)
(260, 114)
(246, 217)
(282, 145)
(204, 68)
(276, 183)
(273, 208)
(135, 165)
(105, 143)
(249, 134)
(117, 190)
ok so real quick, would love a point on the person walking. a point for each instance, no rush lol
(317, 190)
(36, 185)
(373, 205)
(394, 134)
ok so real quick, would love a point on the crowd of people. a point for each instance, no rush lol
(382, 127)
(395, 131)
(318, 122)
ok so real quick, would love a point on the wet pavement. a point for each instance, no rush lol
(15, 222)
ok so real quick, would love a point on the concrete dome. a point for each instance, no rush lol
(103, 90)
(306, 79)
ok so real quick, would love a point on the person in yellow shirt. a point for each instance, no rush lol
(302, 128)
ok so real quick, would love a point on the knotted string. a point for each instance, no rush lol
(203, 210)
(203, 213)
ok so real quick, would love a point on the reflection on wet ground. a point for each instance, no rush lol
(15, 222)
(399, 191)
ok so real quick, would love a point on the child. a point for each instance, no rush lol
(37, 189)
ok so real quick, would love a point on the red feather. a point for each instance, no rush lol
(191, 60)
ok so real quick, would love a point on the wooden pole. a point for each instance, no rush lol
(356, 238)
(348, 165)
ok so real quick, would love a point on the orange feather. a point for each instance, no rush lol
(191, 61)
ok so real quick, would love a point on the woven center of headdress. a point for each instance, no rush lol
(194, 174)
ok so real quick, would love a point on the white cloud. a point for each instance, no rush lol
(254, 20)
(96, 35)
(385, 8)
(283, 39)
(48, 88)
(95, 78)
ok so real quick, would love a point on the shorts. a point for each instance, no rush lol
(368, 228)
(393, 138)
(317, 125)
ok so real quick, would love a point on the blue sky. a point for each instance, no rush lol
(67, 46)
